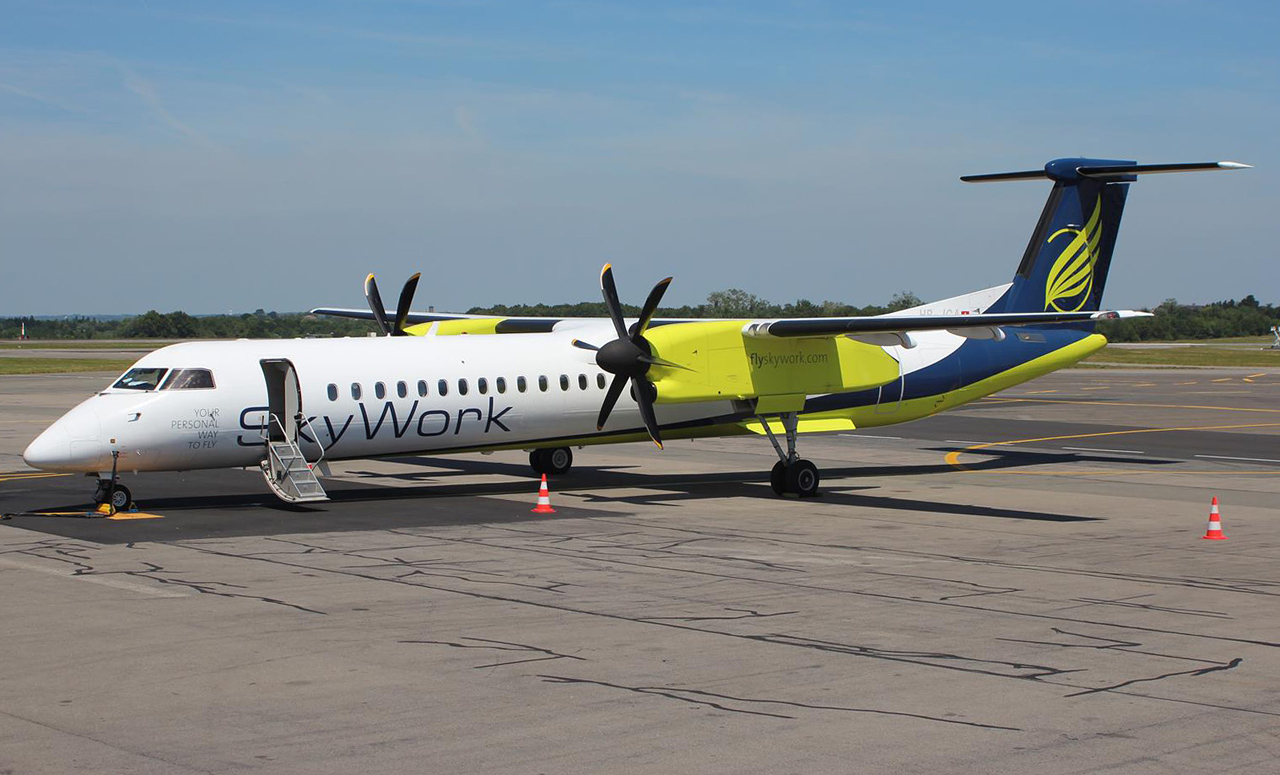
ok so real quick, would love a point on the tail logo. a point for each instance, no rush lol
(1071, 276)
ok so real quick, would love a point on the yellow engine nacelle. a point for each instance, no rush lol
(725, 364)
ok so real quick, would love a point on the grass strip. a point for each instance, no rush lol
(1187, 356)
(10, 366)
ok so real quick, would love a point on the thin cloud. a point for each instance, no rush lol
(147, 92)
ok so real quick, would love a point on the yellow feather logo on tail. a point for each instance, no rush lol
(1071, 276)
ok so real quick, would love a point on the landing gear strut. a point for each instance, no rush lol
(791, 473)
(551, 461)
(111, 491)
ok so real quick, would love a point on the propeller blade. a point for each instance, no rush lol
(650, 305)
(656, 361)
(406, 300)
(641, 389)
(375, 303)
(610, 398)
(610, 292)
(581, 345)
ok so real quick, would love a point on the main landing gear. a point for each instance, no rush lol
(551, 461)
(791, 473)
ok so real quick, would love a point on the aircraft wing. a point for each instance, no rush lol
(492, 324)
(874, 329)
(364, 313)
(976, 326)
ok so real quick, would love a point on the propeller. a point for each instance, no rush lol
(629, 357)
(396, 327)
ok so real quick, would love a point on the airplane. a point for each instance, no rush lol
(441, 384)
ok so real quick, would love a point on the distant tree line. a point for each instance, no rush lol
(731, 303)
(1172, 320)
(180, 325)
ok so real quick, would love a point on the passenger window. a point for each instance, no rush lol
(564, 381)
(482, 385)
(582, 381)
(188, 379)
(379, 390)
(442, 387)
(521, 384)
(501, 384)
(542, 383)
(600, 381)
(140, 379)
(402, 389)
(422, 387)
(356, 392)
(462, 387)
(333, 392)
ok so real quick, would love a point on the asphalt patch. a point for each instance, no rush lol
(227, 504)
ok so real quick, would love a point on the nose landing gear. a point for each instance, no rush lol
(110, 492)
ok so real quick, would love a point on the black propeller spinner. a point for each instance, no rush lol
(629, 357)
(374, 298)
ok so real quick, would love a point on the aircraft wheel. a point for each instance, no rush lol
(537, 461)
(121, 498)
(558, 460)
(778, 478)
(802, 478)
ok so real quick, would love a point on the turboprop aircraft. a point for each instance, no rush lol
(440, 384)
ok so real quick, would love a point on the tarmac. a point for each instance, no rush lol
(1015, 586)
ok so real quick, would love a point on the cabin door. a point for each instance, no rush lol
(284, 400)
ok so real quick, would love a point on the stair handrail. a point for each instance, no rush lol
(307, 424)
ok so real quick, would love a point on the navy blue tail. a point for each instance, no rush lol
(1065, 265)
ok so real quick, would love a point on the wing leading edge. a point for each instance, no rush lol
(963, 325)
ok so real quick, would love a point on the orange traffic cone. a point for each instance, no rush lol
(1214, 533)
(544, 499)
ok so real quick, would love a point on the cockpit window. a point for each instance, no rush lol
(140, 379)
(188, 379)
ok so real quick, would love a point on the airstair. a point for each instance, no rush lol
(287, 471)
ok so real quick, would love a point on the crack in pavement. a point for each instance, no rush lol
(715, 700)
(1233, 664)
(500, 645)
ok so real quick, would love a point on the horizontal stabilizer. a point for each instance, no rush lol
(1069, 169)
(1156, 169)
(993, 177)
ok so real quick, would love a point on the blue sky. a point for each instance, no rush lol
(234, 155)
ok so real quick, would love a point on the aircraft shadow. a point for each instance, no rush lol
(594, 483)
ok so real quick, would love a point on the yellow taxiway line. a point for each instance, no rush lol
(953, 457)
(1134, 403)
(18, 476)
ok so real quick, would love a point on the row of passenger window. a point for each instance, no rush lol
(499, 385)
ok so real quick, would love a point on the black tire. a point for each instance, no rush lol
(538, 461)
(778, 478)
(802, 478)
(557, 461)
(121, 498)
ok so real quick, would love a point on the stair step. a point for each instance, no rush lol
(289, 475)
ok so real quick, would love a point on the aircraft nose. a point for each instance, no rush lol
(50, 450)
(72, 444)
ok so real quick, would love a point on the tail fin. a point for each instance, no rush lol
(1064, 268)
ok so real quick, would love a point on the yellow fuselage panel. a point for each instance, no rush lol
(725, 364)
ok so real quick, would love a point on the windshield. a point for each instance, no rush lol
(140, 379)
(189, 379)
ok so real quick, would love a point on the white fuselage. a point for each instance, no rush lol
(352, 403)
